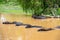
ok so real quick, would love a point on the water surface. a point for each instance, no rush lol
(12, 32)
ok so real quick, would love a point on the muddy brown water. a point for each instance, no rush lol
(12, 32)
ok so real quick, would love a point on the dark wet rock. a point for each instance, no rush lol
(49, 29)
(38, 17)
(18, 23)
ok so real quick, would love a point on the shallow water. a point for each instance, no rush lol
(12, 32)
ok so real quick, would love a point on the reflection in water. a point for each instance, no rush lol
(13, 32)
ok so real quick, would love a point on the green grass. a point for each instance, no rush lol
(58, 11)
(10, 9)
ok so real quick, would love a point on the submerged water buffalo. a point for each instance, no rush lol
(7, 22)
(57, 27)
(48, 29)
(44, 16)
(38, 17)
(19, 23)
(31, 26)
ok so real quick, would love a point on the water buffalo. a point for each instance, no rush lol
(31, 26)
(38, 17)
(49, 29)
